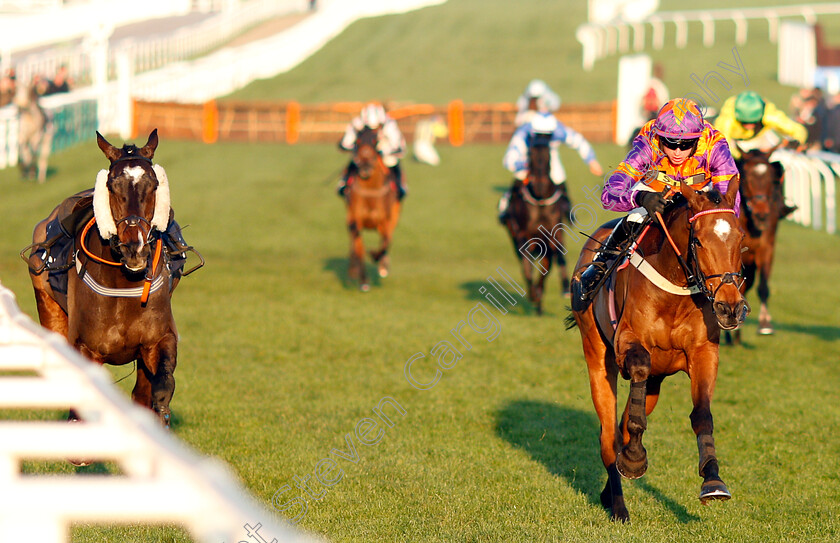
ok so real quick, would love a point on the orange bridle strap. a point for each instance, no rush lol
(147, 284)
(87, 252)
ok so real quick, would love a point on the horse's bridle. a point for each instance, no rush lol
(692, 267)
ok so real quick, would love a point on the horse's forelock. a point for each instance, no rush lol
(714, 196)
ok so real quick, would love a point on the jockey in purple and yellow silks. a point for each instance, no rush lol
(679, 145)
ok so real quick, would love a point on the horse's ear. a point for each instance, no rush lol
(111, 152)
(779, 172)
(148, 150)
(732, 191)
(690, 195)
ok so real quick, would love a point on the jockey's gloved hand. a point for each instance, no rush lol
(653, 202)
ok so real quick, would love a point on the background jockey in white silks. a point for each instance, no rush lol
(516, 156)
(748, 122)
(391, 144)
(425, 133)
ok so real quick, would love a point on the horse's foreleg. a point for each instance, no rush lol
(765, 321)
(703, 373)
(25, 160)
(527, 266)
(603, 376)
(564, 274)
(161, 361)
(539, 283)
(380, 256)
(632, 461)
(44, 154)
(356, 269)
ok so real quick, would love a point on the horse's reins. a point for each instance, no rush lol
(698, 277)
(147, 283)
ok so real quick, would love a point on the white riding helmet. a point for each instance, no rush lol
(543, 123)
(373, 115)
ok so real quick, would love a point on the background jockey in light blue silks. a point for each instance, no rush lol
(516, 156)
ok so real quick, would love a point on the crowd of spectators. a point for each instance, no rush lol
(61, 82)
(820, 114)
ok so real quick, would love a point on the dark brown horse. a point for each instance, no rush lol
(372, 204)
(761, 209)
(646, 330)
(538, 210)
(118, 295)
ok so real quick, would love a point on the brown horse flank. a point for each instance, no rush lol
(761, 210)
(119, 284)
(35, 134)
(660, 315)
(537, 208)
(372, 204)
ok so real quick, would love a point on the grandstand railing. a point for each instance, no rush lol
(602, 40)
(162, 480)
(153, 52)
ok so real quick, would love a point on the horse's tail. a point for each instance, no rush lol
(569, 321)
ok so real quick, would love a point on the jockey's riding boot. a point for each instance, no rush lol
(504, 203)
(396, 173)
(593, 274)
(342, 186)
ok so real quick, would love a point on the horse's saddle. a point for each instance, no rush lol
(58, 249)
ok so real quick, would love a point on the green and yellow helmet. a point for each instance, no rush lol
(749, 107)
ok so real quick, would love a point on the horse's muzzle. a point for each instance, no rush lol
(730, 316)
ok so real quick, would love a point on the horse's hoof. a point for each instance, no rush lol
(631, 469)
(766, 331)
(383, 273)
(365, 288)
(713, 490)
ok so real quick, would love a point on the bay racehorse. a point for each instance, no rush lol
(119, 284)
(659, 315)
(35, 134)
(372, 204)
(761, 209)
(537, 210)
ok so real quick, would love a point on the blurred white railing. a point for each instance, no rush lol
(811, 183)
(162, 480)
(96, 57)
(601, 40)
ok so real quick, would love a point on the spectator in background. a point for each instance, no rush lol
(7, 88)
(808, 108)
(60, 83)
(831, 126)
(656, 94)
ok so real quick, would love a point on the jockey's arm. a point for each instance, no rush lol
(516, 155)
(776, 120)
(576, 141)
(621, 187)
(348, 141)
(391, 141)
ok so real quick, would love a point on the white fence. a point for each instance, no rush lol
(162, 480)
(810, 183)
(96, 57)
(601, 40)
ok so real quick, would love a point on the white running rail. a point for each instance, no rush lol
(811, 183)
(601, 40)
(162, 480)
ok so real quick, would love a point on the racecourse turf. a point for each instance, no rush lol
(281, 356)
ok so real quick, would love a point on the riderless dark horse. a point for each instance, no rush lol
(123, 261)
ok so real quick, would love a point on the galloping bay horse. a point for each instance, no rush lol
(372, 204)
(35, 134)
(119, 285)
(761, 210)
(537, 209)
(658, 315)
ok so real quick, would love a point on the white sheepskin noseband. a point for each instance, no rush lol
(102, 204)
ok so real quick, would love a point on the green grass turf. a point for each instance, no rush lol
(280, 355)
